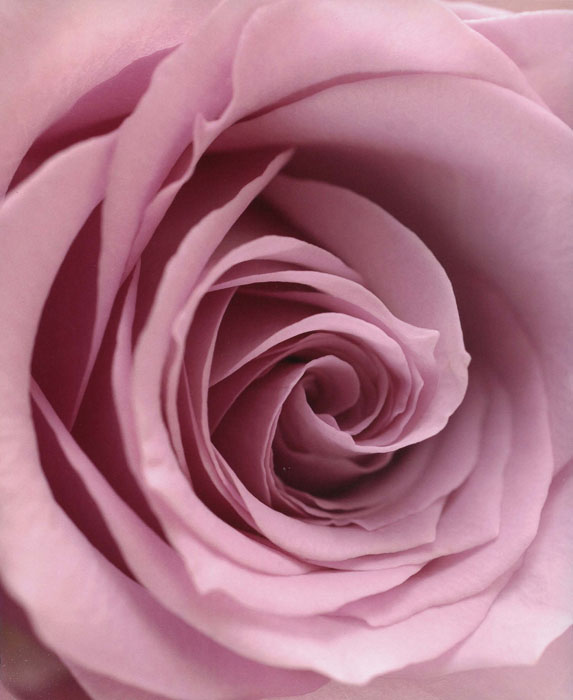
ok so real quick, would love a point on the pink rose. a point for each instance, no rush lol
(248, 250)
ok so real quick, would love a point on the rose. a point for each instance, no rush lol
(105, 402)
(278, 240)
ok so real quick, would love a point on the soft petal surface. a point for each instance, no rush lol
(285, 393)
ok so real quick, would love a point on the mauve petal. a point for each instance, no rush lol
(313, 593)
(76, 46)
(223, 394)
(317, 543)
(425, 473)
(177, 126)
(179, 280)
(229, 600)
(551, 677)
(29, 669)
(148, 135)
(474, 10)
(83, 167)
(540, 44)
(159, 568)
(223, 91)
(186, 280)
(39, 223)
(249, 345)
(257, 412)
(344, 296)
(308, 540)
(436, 175)
(530, 5)
(352, 652)
(166, 121)
(538, 597)
(444, 463)
(141, 547)
(316, 593)
(162, 475)
(250, 26)
(223, 539)
(471, 513)
(258, 592)
(457, 455)
(97, 112)
(525, 483)
(63, 342)
(7, 694)
(157, 656)
(352, 46)
(180, 496)
(470, 518)
(101, 687)
(105, 399)
(402, 279)
(337, 540)
(117, 607)
(268, 246)
(213, 620)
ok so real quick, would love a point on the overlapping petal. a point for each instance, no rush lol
(237, 404)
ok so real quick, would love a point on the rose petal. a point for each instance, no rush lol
(474, 10)
(402, 257)
(39, 223)
(390, 155)
(540, 44)
(77, 44)
(63, 342)
(551, 678)
(537, 597)
(160, 136)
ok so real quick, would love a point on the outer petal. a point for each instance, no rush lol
(527, 5)
(240, 40)
(38, 233)
(56, 51)
(474, 10)
(541, 44)
(29, 670)
(539, 597)
(479, 191)
(551, 678)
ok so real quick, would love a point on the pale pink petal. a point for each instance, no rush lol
(76, 46)
(539, 596)
(474, 10)
(541, 45)
(39, 223)
(525, 481)
(29, 669)
(225, 91)
(230, 287)
(551, 677)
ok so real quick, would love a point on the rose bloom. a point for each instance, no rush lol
(286, 350)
